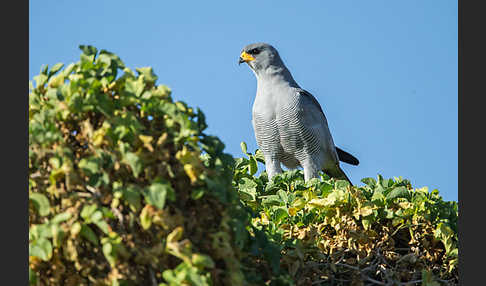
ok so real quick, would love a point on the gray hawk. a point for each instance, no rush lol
(290, 125)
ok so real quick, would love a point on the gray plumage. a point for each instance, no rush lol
(290, 126)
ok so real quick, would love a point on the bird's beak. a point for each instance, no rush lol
(245, 57)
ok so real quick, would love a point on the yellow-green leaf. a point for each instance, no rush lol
(41, 203)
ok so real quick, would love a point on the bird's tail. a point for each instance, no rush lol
(346, 157)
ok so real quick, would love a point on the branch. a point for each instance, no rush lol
(152, 276)
(361, 272)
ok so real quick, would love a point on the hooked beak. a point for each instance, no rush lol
(245, 57)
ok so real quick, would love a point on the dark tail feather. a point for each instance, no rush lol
(346, 157)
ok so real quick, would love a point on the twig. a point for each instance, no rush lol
(326, 280)
(362, 274)
(372, 280)
(403, 248)
(94, 191)
(348, 266)
(119, 215)
(411, 282)
(35, 175)
(152, 277)
(83, 194)
(418, 281)
(385, 271)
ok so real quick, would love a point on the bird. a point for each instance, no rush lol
(289, 124)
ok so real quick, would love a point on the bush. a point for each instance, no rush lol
(385, 232)
(125, 187)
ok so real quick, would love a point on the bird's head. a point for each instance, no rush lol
(260, 56)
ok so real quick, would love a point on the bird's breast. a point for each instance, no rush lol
(277, 125)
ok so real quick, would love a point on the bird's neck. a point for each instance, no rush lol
(273, 74)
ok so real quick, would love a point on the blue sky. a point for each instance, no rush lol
(384, 72)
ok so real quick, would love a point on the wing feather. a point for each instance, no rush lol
(342, 155)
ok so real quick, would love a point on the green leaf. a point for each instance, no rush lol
(298, 204)
(173, 279)
(108, 252)
(200, 117)
(131, 195)
(89, 234)
(197, 279)
(134, 162)
(145, 218)
(57, 235)
(271, 200)
(253, 167)
(44, 69)
(147, 94)
(247, 184)
(369, 181)
(377, 197)
(248, 195)
(325, 188)
(69, 69)
(243, 147)
(41, 203)
(40, 231)
(259, 156)
(147, 73)
(88, 50)
(41, 248)
(283, 196)
(55, 69)
(386, 183)
(135, 87)
(197, 194)
(40, 80)
(104, 58)
(61, 217)
(75, 229)
(341, 184)
(114, 58)
(107, 213)
(157, 193)
(32, 277)
(103, 225)
(96, 216)
(202, 261)
(247, 188)
(321, 203)
(367, 221)
(87, 211)
(91, 165)
(398, 192)
(279, 214)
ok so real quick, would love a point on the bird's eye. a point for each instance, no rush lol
(254, 51)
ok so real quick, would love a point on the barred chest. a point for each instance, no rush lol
(280, 131)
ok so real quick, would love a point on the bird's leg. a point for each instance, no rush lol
(272, 166)
(311, 170)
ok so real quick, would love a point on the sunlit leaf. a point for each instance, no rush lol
(157, 194)
(41, 203)
(41, 248)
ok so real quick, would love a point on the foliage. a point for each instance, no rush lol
(331, 233)
(125, 187)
